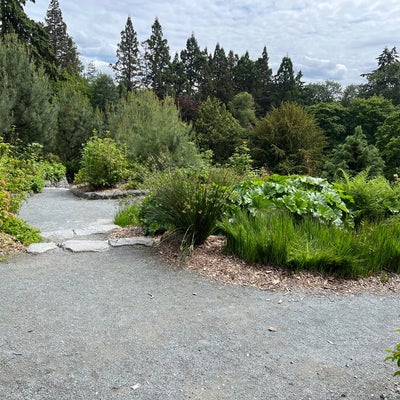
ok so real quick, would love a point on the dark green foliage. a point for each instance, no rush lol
(385, 80)
(76, 121)
(27, 111)
(326, 92)
(62, 44)
(184, 203)
(157, 60)
(371, 199)
(104, 92)
(127, 67)
(302, 223)
(288, 141)
(20, 230)
(242, 107)
(217, 130)
(14, 21)
(332, 119)
(103, 164)
(369, 114)
(388, 143)
(355, 155)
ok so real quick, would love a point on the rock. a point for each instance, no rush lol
(140, 240)
(79, 246)
(94, 229)
(58, 235)
(40, 248)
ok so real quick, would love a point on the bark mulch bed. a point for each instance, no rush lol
(209, 260)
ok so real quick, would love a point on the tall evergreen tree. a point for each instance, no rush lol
(244, 75)
(13, 20)
(157, 58)
(385, 80)
(28, 113)
(263, 90)
(176, 78)
(127, 67)
(285, 82)
(221, 75)
(63, 45)
(194, 61)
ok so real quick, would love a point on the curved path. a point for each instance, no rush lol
(122, 325)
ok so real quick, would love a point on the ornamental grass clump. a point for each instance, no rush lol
(183, 203)
(262, 238)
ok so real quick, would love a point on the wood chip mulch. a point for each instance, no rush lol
(9, 246)
(210, 261)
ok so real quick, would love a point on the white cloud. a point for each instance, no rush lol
(348, 33)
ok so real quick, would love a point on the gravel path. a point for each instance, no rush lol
(122, 325)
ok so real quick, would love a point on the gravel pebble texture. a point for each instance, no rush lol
(124, 325)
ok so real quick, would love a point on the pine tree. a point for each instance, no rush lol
(157, 59)
(14, 21)
(194, 61)
(263, 92)
(244, 75)
(284, 82)
(221, 75)
(63, 46)
(127, 67)
(356, 155)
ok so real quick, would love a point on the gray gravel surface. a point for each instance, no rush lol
(123, 325)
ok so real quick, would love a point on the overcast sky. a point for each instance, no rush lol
(325, 39)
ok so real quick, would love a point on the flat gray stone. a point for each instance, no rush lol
(40, 248)
(140, 240)
(79, 246)
(62, 234)
(94, 229)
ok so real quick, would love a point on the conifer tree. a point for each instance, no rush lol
(14, 21)
(127, 67)
(157, 61)
(194, 61)
(263, 90)
(221, 75)
(63, 45)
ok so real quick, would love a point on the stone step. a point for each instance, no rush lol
(79, 246)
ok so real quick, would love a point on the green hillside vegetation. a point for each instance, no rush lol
(295, 174)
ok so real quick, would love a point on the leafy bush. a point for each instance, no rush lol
(186, 203)
(370, 199)
(103, 163)
(20, 230)
(300, 195)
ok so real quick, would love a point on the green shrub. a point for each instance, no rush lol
(20, 230)
(127, 214)
(185, 203)
(370, 199)
(103, 164)
(302, 196)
